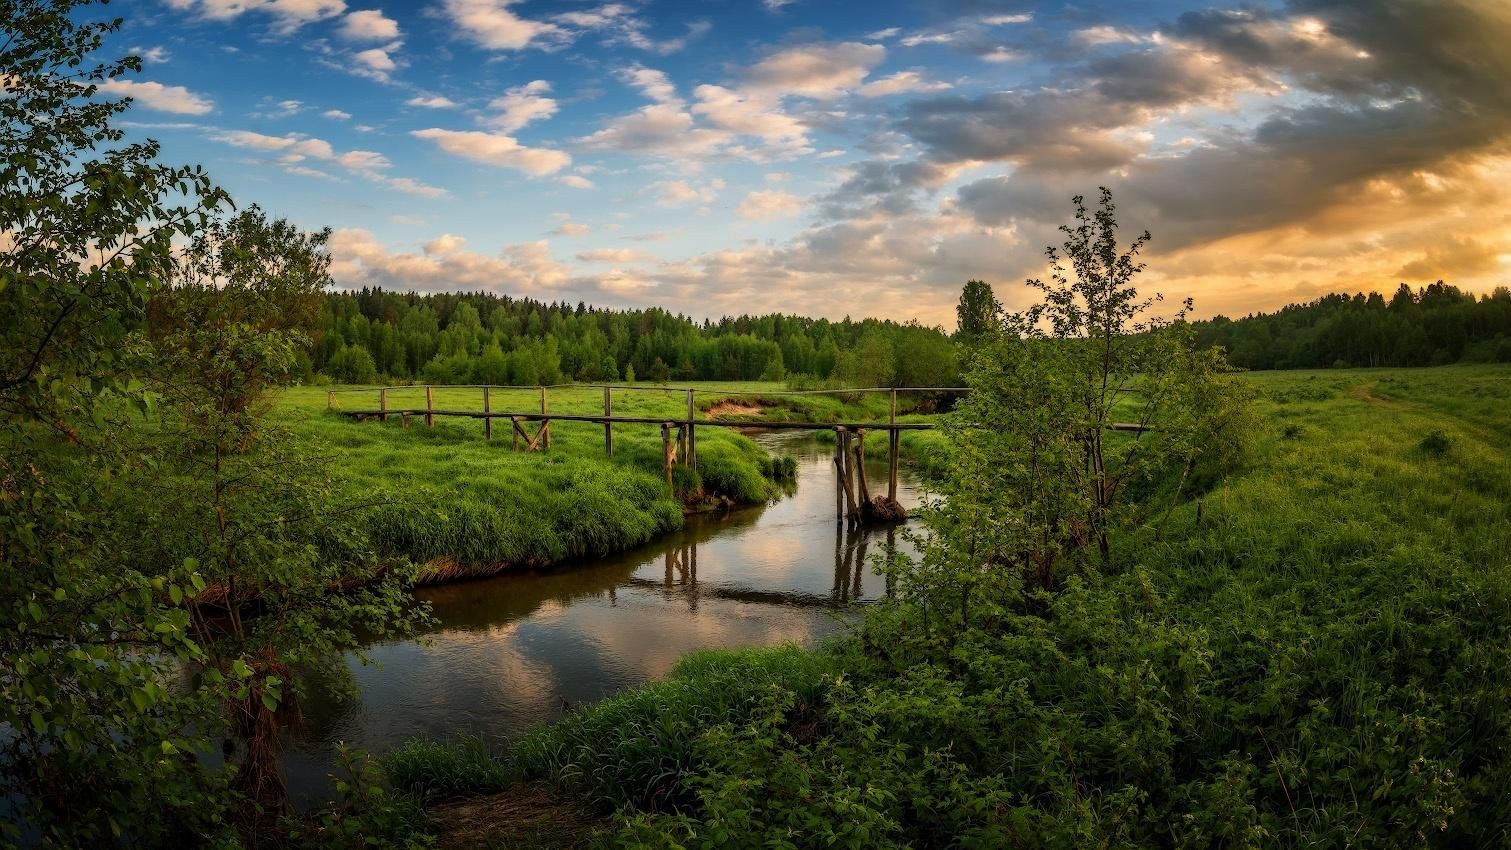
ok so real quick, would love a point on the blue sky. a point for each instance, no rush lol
(843, 158)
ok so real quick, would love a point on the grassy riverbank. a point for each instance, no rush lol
(1313, 653)
(464, 505)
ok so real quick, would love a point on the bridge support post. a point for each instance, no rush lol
(692, 433)
(383, 404)
(429, 406)
(487, 408)
(668, 453)
(862, 491)
(894, 442)
(608, 427)
(545, 423)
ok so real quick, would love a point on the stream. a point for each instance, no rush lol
(514, 651)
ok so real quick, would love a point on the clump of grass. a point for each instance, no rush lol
(1436, 442)
(1292, 431)
(433, 770)
(635, 748)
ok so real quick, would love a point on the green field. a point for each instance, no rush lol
(466, 505)
(1313, 652)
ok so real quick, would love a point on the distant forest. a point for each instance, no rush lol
(451, 338)
(1430, 326)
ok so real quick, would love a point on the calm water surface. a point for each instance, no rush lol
(515, 651)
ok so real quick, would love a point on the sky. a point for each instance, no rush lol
(837, 158)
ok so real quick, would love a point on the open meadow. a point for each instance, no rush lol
(1313, 649)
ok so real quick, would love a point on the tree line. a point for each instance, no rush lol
(457, 338)
(1430, 326)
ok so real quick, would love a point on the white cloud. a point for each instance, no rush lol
(767, 204)
(496, 149)
(375, 62)
(289, 15)
(659, 130)
(522, 105)
(676, 193)
(151, 55)
(931, 38)
(576, 181)
(652, 83)
(1000, 20)
(752, 115)
(822, 71)
(337, 115)
(159, 97)
(571, 228)
(294, 149)
(369, 25)
(902, 81)
(883, 35)
(1106, 35)
(358, 259)
(431, 102)
(491, 24)
(616, 255)
(446, 243)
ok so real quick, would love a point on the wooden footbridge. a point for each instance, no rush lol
(679, 439)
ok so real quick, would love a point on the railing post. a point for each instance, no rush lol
(330, 399)
(487, 408)
(894, 442)
(383, 403)
(608, 427)
(429, 407)
(692, 434)
(668, 455)
(545, 423)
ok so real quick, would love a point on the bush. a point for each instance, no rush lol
(352, 364)
(1436, 442)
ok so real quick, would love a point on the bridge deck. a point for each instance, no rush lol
(600, 419)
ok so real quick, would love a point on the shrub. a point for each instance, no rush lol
(352, 364)
(1436, 442)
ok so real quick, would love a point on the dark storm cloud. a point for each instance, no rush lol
(874, 186)
(1378, 91)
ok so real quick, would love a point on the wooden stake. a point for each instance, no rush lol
(404, 419)
(839, 474)
(862, 491)
(487, 408)
(547, 422)
(608, 427)
(894, 440)
(383, 403)
(429, 407)
(692, 432)
(668, 454)
(330, 399)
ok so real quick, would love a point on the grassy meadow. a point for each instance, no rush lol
(466, 505)
(1312, 652)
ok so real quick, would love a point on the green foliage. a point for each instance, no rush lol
(1293, 662)
(365, 812)
(90, 642)
(1436, 442)
(441, 340)
(636, 748)
(1429, 326)
(351, 364)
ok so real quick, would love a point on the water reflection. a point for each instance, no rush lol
(514, 651)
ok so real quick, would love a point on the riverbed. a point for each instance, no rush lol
(515, 651)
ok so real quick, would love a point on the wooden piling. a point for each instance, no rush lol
(692, 432)
(429, 406)
(545, 423)
(894, 446)
(862, 492)
(608, 427)
(839, 475)
(847, 472)
(330, 399)
(487, 408)
(404, 419)
(894, 442)
(383, 404)
(668, 454)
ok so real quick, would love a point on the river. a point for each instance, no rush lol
(514, 651)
